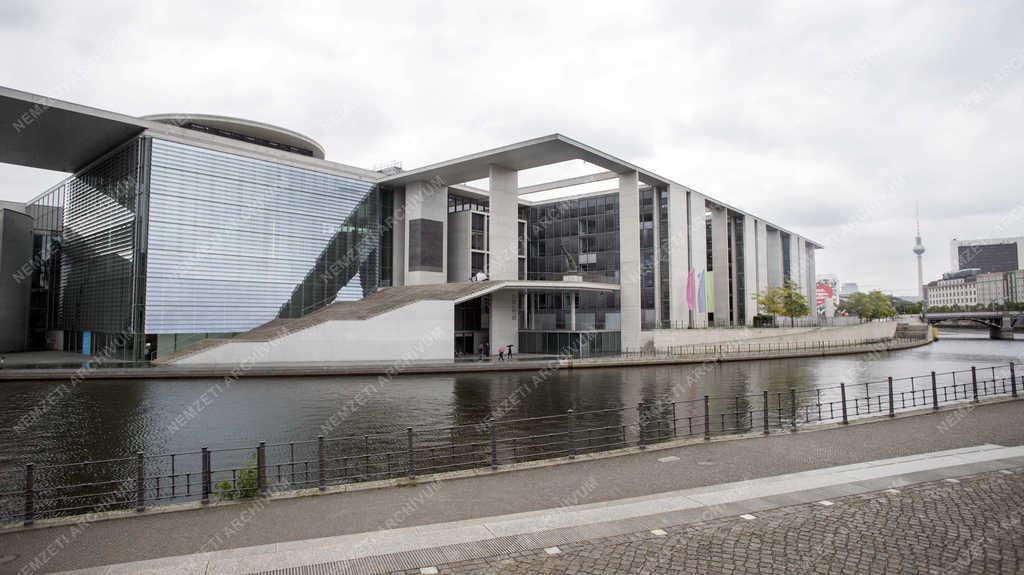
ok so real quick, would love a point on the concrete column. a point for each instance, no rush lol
(629, 258)
(15, 282)
(794, 260)
(678, 262)
(697, 254)
(750, 259)
(720, 262)
(773, 257)
(460, 239)
(426, 231)
(504, 319)
(503, 228)
(800, 273)
(762, 255)
(656, 224)
(398, 250)
(812, 283)
(572, 311)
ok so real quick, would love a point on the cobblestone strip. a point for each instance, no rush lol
(975, 525)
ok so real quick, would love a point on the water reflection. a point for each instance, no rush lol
(107, 419)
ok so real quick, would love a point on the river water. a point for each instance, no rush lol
(107, 419)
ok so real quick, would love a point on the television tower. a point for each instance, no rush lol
(919, 251)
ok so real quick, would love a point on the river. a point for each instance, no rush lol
(98, 419)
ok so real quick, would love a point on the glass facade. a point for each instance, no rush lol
(457, 203)
(47, 213)
(647, 254)
(989, 258)
(577, 237)
(387, 237)
(787, 264)
(163, 238)
(572, 237)
(236, 241)
(575, 344)
(664, 233)
(737, 273)
(93, 224)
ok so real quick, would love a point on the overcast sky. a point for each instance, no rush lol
(830, 120)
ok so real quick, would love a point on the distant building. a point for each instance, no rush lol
(971, 287)
(1015, 286)
(827, 294)
(987, 255)
(991, 288)
(955, 288)
(1000, 288)
(848, 288)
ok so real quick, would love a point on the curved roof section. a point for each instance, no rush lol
(245, 128)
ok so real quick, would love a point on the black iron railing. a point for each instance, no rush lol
(143, 480)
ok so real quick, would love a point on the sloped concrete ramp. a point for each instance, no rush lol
(405, 323)
(399, 323)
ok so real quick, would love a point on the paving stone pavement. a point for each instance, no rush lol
(975, 525)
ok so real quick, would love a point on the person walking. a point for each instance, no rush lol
(510, 350)
(480, 350)
(501, 353)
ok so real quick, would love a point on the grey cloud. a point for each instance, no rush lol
(830, 119)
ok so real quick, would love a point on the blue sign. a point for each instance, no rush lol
(86, 343)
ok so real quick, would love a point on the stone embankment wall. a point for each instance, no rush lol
(665, 338)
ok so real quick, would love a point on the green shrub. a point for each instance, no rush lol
(246, 486)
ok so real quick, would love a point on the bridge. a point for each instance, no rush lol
(1000, 323)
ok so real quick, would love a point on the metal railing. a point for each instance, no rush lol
(143, 480)
(734, 349)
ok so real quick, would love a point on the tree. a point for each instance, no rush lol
(907, 308)
(785, 300)
(869, 306)
(880, 305)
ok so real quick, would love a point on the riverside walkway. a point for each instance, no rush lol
(513, 515)
(98, 368)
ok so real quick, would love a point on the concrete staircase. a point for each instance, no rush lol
(911, 331)
(375, 304)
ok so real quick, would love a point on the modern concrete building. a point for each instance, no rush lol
(178, 228)
(988, 255)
